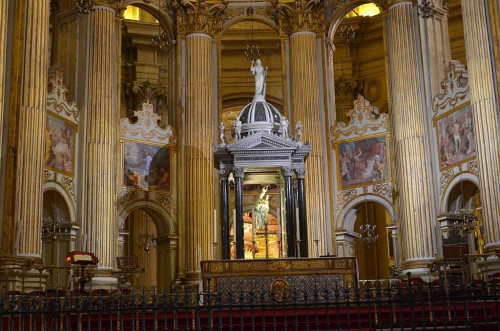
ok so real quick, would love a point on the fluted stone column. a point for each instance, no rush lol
(415, 191)
(21, 236)
(302, 20)
(4, 4)
(99, 227)
(198, 26)
(486, 119)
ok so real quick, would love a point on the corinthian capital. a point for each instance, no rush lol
(199, 16)
(300, 15)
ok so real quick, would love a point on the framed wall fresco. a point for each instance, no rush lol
(60, 139)
(363, 161)
(146, 166)
(455, 134)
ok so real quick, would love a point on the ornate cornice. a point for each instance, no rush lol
(300, 15)
(199, 16)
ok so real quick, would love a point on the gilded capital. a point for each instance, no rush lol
(199, 16)
(300, 15)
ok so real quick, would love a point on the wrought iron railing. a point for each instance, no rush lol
(406, 305)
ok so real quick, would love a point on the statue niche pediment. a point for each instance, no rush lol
(263, 141)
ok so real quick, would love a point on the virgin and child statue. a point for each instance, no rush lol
(261, 209)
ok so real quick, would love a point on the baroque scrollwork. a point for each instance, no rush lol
(69, 185)
(445, 180)
(384, 189)
(455, 89)
(56, 98)
(344, 197)
(472, 167)
(127, 196)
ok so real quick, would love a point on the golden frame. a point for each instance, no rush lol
(48, 135)
(164, 173)
(380, 154)
(444, 155)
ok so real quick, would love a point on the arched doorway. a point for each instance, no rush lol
(374, 247)
(58, 238)
(144, 239)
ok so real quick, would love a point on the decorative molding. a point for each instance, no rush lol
(199, 16)
(363, 120)
(146, 128)
(66, 182)
(455, 89)
(56, 99)
(300, 15)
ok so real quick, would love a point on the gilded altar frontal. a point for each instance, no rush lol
(172, 144)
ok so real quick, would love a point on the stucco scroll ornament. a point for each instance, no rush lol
(199, 16)
(343, 197)
(166, 200)
(472, 167)
(127, 196)
(384, 189)
(445, 180)
(455, 89)
(363, 119)
(56, 98)
(146, 128)
(69, 185)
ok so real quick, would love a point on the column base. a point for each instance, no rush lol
(193, 277)
(22, 275)
(418, 268)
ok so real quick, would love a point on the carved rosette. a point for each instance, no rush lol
(193, 17)
(300, 15)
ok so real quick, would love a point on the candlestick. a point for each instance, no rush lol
(253, 225)
(215, 226)
(234, 228)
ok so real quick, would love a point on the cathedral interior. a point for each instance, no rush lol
(117, 117)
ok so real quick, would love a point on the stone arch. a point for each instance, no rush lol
(164, 20)
(461, 177)
(260, 19)
(347, 217)
(63, 193)
(338, 15)
(163, 219)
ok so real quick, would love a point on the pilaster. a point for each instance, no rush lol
(484, 103)
(415, 196)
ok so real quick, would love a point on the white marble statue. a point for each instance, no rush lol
(260, 73)
(298, 131)
(284, 126)
(261, 209)
(237, 128)
(222, 129)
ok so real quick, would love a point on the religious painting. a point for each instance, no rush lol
(60, 139)
(455, 134)
(363, 161)
(146, 166)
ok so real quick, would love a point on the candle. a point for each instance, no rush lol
(316, 233)
(234, 226)
(253, 225)
(279, 224)
(215, 226)
(297, 219)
